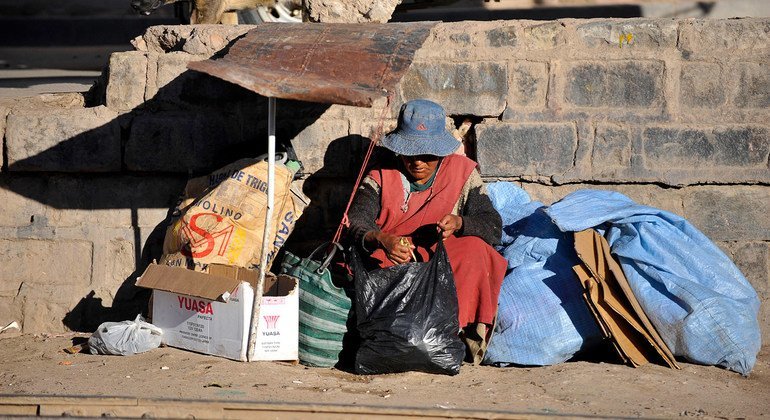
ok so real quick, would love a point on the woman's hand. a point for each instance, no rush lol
(397, 248)
(449, 224)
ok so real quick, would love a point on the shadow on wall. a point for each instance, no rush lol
(329, 190)
(478, 11)
(143, 158)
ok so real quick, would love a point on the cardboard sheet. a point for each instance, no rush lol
(612, 302)
(188, 282)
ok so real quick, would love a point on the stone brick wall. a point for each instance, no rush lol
(674, 114)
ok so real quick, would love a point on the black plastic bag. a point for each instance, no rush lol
(407, 317)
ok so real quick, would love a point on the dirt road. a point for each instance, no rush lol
(36, 365)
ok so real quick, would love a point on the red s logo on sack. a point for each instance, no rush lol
(206, 240)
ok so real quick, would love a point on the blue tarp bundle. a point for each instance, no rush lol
(542, 318)
(698, 300)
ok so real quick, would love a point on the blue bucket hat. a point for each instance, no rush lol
(421, 131)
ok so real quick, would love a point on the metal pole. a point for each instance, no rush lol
(266, 235)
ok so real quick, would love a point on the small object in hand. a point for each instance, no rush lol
(405, 242)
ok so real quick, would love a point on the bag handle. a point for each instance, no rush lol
(329, 256)
(439, 245)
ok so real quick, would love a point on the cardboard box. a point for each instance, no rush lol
(210, 313)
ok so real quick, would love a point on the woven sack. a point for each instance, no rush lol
(222, 217)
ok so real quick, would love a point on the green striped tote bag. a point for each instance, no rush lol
(323, 307)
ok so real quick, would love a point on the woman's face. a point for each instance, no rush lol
(420, 167)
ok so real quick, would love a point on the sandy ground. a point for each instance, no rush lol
(37, 365)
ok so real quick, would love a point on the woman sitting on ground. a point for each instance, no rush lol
(424, 189)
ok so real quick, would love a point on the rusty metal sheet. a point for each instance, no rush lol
(340, 63)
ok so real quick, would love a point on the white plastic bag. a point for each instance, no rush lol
(125, 338)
